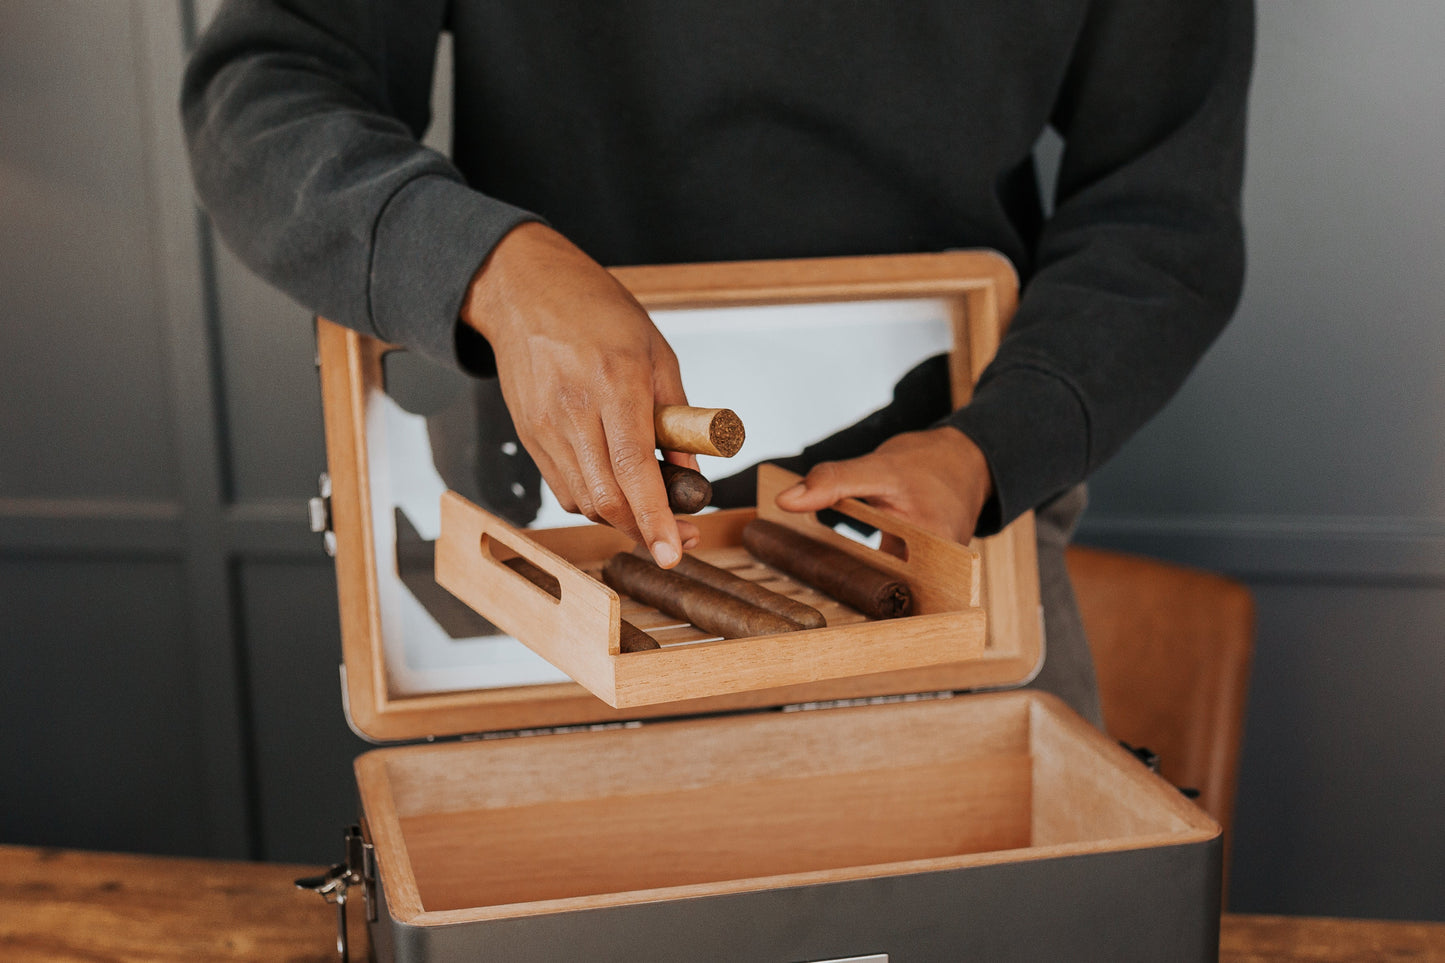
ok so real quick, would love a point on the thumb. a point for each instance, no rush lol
(827, 484)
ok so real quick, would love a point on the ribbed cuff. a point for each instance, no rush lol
(1034, 432)
(430, 239)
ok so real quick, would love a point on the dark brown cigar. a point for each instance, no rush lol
(633, 638)
(751, 592)
(875, 593)
(704, 606)
(687, 491)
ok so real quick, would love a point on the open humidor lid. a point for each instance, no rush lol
(408, 676)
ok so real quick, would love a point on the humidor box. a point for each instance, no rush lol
(845, 793)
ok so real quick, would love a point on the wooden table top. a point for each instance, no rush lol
(64, 905)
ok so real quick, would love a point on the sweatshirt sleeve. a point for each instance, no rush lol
(303, 119)
(1142, 262)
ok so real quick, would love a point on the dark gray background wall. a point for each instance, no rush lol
(168, 633)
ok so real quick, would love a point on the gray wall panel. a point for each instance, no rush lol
(1306, 454)
(110, 518)
(303, 746)
(1325, 395)
(272, 398)
(1340, 790)
(83, 353)
(99, 742)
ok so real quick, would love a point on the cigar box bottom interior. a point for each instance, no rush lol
(693, 807)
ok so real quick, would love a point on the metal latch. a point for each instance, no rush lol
(359, 869)
(320, 511)
(1150, 759)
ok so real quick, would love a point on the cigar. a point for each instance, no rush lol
(687, 491)
(707, 573)
(709, 609)
(633, 639)
(875, 593)
(697, 431)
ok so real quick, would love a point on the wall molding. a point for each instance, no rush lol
(1373, 549)
(90, 526)
(128, 528)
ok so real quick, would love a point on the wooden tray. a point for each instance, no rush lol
(578, 630)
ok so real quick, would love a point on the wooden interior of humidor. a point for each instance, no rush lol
(745, 802)
(980, 290)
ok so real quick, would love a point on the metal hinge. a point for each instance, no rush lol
(551, 731)
(1150, 759)
(358, 869)
(883, 700)
(320, 511)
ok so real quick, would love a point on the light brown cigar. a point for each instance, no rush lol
(704, 606)
(875, 593)
(698, 431)
(633, 639)
(687, 491)
(751, 592)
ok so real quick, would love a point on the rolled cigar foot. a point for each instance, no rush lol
(687, 491)
(698, 431)
(875, 593)
(707, 608)
(633, 639)
(695, 568)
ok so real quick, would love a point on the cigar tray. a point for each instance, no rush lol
(854, 796)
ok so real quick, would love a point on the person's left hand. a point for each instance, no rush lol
(936, 479)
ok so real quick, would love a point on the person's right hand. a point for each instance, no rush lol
(582, 366)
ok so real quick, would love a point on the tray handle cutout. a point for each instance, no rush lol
(474, 544)
(511, 561)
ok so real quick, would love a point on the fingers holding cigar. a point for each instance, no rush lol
(682, 433)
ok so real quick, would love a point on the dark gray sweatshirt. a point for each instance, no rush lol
(702, 130)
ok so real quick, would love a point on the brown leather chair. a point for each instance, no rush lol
(1172, 648)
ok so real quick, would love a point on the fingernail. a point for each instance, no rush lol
(666, 555)
(691, 543)
(793, 492)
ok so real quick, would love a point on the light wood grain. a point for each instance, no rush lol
(578, 632)
(1089, 787)
(350, 368)
(64, 906)
(693, 754)
(569, 822)
(1172, 649)
(740, 830)
(1307, 939)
